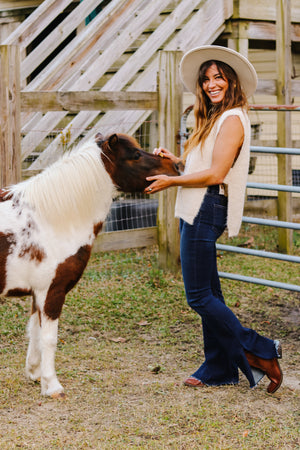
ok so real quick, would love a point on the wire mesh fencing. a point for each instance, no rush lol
(128, 211)
(140, 211)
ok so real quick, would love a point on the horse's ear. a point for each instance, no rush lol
(113, 140)
(99, 138)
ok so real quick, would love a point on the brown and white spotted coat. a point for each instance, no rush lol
(47, 227)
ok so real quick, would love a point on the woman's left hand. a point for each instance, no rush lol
(160, 182)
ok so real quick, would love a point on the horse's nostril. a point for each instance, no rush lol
(179, 167)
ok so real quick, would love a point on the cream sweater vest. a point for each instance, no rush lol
(189, 200)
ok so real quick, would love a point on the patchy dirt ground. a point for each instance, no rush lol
(127, 340)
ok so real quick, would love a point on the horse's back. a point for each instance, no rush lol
(31, 251)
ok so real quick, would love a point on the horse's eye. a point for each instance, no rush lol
(137, 156)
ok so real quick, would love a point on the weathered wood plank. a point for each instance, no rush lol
(295, 86)
(254, 30)
(207, 12)
(240, 42)
(202, 28)
(295, 32)
(100, 66)
(139, 58)
(69, 63)
(191, 35)
(263, 9)
(261, 30)
(151, 45)
(120, 240)
(50, 120)
(36, 22)
(170, 91)
(268, 87)
(121, 43)
(56, 37)
(7, 26)
(268, 208)
(76, 57)
(45, 101)
(10, 160)
(16, 4)
(284, 65)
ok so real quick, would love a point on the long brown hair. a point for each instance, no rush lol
(206, 113)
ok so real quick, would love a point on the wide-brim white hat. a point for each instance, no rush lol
(192, 60)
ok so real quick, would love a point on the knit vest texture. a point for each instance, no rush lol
(189, 200)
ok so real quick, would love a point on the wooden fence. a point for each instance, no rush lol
(167, 101)
(10, 107)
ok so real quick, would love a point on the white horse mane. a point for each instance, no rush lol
(73, 191)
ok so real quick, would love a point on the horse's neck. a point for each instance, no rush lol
(75, 192)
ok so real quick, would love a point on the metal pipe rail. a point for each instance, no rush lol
(272, 223)
(260, 253)
(276, 150)
(259, 221)
(263, 254)
(232, 276)
(282, 108)
(274, 187)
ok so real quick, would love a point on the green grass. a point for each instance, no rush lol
(127, 340)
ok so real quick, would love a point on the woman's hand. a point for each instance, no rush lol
(160, 182)
(164, 153)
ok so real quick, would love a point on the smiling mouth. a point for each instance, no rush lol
(214, 93)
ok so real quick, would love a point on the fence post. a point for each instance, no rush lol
(284, 64)
(169, 112)
(10, 138)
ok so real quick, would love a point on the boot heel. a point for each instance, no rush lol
(271, 368)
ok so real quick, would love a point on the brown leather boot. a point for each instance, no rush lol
(271, 368)
(193, 382)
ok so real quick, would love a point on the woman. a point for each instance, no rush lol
(210, 197)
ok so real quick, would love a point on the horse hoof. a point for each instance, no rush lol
(59, 396)
(35, 377)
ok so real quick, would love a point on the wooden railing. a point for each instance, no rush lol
(116, 51)
(167, 101)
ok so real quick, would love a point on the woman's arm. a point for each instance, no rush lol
(227, 147)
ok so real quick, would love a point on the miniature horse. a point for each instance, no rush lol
(47, 227)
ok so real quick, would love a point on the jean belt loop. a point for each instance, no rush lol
(223, 189)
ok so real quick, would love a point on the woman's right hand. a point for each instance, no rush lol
(164, 153)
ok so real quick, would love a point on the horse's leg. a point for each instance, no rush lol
(49, 382)
(33, 359)
(67, 275)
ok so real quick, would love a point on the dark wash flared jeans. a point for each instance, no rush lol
(225, 339)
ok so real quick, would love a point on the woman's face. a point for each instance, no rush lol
(214, 84)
